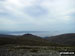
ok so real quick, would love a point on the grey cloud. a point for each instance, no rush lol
(36, 11)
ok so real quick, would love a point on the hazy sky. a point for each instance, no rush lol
(37, 15)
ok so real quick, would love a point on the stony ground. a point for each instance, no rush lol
(31, 51)
(26, 52)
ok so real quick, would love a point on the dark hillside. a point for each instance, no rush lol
(65, 39)
(26, 39)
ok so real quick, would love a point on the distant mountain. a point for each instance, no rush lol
(65, 39)
(38, 33)
(26, 39)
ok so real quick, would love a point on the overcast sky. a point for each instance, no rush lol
(37, 15)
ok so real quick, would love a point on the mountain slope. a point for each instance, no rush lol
(26, 39)
(65, 39)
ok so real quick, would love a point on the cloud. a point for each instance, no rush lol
(36, 11)
(37, 15)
